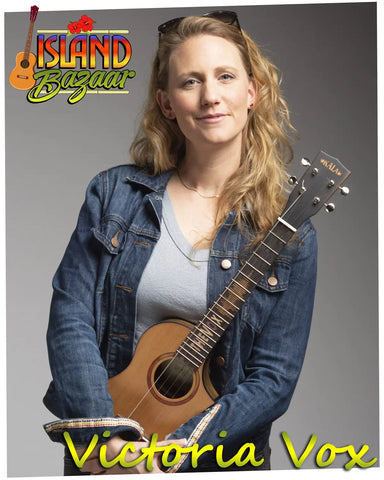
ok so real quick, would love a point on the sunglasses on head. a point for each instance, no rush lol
(224, 16)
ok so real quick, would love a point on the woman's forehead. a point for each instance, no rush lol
(203, 49)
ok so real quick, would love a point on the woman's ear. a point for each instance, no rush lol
(162, 99)
(252, 94)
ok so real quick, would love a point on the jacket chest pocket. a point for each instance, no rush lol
(111, 233)
(264, 297)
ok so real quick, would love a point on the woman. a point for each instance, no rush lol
(163, 238)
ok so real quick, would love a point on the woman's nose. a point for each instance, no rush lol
(209, 94)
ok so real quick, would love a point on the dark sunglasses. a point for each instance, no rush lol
(224, 16)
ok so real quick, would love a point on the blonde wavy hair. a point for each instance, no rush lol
(256, 190)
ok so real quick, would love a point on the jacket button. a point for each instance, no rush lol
(115, 241)
(225, 264)
(272, 281)
(220, 361)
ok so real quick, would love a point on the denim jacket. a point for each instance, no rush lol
(254, 367)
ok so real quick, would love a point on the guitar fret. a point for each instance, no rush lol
(246, 276)
(263, 259)
(210, 329)
(280, 239)
(226, 311)
(270, 248)
(218, 315)
(254, 268)
(202, 348)
(190, 353)
(242, 286)
(186, 358)
(233, 292)
(226, 299)
(205, 343)
(191, 347)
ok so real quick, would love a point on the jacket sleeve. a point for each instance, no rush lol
(271, 372)
(78, 393)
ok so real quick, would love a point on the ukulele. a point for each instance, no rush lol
(167, 381)
(21, 76)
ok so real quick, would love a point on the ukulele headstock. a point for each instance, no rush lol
(33, 14)
(322, 178)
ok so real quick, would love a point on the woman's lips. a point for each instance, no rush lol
(214, 118)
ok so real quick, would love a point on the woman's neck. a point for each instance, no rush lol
(208, 169)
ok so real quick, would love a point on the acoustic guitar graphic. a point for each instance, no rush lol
(21, 76)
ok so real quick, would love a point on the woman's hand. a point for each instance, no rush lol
(114, 447)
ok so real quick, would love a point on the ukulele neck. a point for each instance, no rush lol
(29, 41)
(202, 339)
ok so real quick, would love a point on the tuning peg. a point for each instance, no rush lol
(292, 180)
(330, 207)
(344, 190)
(305, 162)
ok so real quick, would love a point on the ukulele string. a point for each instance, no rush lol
(149, 390)
(159, 387)
(167, 386)
(185, 369)
(177, 381)
(285, 212)
(303, 190)
(152, 386)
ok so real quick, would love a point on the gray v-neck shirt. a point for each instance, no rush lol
(174, 281)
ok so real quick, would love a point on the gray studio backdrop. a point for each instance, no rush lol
(327, 56)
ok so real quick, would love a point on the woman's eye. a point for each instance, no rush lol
(226, 76)
(190, 82)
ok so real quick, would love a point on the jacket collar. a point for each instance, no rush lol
(155, 183)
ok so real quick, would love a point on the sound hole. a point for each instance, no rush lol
(173, 378)
(24, 63)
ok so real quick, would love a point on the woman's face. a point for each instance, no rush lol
(209, 91)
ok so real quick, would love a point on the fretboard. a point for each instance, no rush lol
(201, 340)
(28, 42)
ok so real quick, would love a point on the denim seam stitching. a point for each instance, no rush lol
(196, 434)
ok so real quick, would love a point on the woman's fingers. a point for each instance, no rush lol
(93, 466)
(178, 441)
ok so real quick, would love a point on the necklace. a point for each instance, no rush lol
(189, 187)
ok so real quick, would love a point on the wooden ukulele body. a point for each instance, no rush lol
(138, 392)
(21, 76)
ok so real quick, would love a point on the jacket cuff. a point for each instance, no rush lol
(81, 430)
(196, 434)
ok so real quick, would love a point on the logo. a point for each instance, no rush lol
(331, 167)
(76, 61)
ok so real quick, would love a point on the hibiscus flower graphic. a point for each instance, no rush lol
(84, 24)
(74, 27)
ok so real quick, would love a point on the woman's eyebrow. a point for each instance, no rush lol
(195, 73)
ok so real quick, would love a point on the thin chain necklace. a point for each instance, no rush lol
(189, 187)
